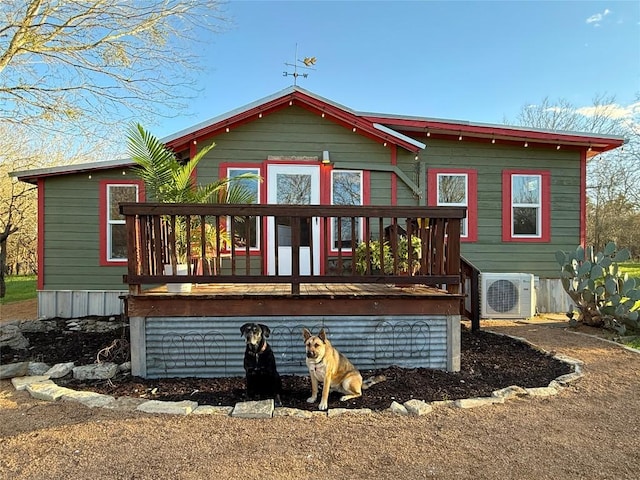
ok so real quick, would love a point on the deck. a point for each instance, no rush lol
(386, 282)
(269, 299)
(236, 269)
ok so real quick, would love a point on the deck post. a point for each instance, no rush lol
(138, 346)
(453, 343)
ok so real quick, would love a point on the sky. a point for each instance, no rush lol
(479, 61)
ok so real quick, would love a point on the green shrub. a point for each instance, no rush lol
(374, 265)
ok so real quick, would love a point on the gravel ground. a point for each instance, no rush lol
(589, 431)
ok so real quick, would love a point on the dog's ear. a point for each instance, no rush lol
(306, 334)
(322, 335)
(266, 331)
(244, 328)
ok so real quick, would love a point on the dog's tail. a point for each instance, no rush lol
(371, 381)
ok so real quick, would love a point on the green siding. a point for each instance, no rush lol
(72, 216)
(72, 246)
(490, 253)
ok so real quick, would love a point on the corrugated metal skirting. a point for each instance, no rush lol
(213, 347)
(79, 303)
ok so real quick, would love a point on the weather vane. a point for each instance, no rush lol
(306, 63)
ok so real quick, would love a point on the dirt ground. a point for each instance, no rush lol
(26, 310)
(588, 431)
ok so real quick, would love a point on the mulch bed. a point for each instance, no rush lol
(488, 362)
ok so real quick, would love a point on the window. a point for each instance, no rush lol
(346, 189)
(525, 209)
(456, 188)
(248, 232)
(113, 230)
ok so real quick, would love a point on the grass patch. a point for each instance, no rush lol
(633, 269)
(19, 288)
(635, 343)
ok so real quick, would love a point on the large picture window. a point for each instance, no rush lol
(346, 189)
(113, 241)
(456, 188)
(526, 205)
(248, 232)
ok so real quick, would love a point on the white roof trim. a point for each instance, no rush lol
(72, 168)
(399, 136)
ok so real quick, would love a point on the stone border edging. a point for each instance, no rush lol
(42, 387)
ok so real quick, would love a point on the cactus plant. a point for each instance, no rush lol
(603, 296)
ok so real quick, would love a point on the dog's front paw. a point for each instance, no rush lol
(311, 399)
(323, 406)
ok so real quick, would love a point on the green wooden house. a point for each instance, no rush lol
(521, 191)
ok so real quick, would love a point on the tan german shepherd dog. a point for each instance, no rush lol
(331, 368)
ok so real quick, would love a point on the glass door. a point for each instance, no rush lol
(293, 185)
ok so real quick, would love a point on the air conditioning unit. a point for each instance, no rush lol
(507, 295)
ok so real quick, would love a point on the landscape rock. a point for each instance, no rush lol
(542, 391)
(89, 399)
(185, 407)
(509, 392)
(335, 412)
(398, 409)
(20, 383)
(568, 378)
(102, 371)
(47, 390)
(60, 370)
(126, 404)
(212, 410)
(477, 402)
(417, 407)
(10, 370)
(38, 368)
(37, 326)
(12, 337)
(253, 409)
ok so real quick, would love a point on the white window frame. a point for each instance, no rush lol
(465, 221)
(537, 205)
(255, 170)
(360, 229)
(111, 222)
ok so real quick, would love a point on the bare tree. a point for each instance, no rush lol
(81, 68)
(77, 63)
(18, 205)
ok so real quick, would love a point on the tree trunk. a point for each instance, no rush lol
(3, 256)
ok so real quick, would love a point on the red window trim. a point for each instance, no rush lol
(366, 200)
(262, 198)
(545, 207)
(102, 207)
(472, 201)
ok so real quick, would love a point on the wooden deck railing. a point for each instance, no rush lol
(225, 243)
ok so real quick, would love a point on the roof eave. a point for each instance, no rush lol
(291, 96)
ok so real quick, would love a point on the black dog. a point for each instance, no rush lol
(263, 380)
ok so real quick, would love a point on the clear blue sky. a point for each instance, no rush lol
(468, 60)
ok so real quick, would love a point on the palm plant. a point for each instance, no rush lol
(168, 180)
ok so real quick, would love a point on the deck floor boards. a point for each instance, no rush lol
(306, 289)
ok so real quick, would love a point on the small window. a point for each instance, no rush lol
(453, 191)
(456, 188)
(249, 230)
(526, 206)
(113, 241)
(346, 189)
